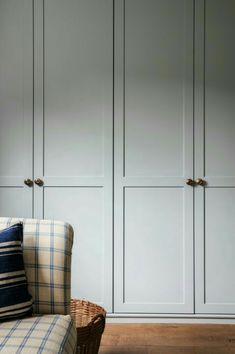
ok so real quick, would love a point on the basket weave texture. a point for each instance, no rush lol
(90, 323)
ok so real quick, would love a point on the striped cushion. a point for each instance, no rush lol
(47, 257)
(45, 334)
(15, 300)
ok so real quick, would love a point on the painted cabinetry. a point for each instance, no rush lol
(114, 105)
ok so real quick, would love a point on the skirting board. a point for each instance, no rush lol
(146, 318)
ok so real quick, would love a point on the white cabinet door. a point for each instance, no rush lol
(215, 154)
(73, 133)
(16, 107)
(153, 206)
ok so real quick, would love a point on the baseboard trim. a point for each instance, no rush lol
(174, 318)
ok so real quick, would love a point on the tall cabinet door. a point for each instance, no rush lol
(215, 153)
(16, 107)
(73, 133)
(153, 205)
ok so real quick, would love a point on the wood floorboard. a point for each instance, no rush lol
(168, 339)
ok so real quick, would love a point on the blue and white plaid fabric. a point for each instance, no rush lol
(47, 249)
(45, 334)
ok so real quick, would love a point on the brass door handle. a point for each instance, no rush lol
(190, 182)
(28, 182)
(38, 181)
(200, 182)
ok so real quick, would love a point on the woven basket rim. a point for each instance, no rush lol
(91, 316)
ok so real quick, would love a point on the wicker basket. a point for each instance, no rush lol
(90, 322)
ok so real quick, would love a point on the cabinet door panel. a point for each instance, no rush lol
(15, 202)
(219, 88)
(73, 132)
(77, 81)
(154, 87)
(153, 206)
(214, 155)
(220, 246)
(16, 111)
(84, 209)
(154, 245)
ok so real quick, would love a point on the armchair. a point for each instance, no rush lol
(47, 249)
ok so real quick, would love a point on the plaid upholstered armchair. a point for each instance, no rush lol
(47, 257)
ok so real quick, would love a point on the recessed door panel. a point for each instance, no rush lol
(219, 246)
(155, 83)
(14, 202)
(16, 106)
(154, 246)
(77, 85)
(219, 88)
(83, 208)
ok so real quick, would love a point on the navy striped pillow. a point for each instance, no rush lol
(15, 300)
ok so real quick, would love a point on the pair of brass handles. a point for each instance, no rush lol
(199, 182)
(39, 182)
(29, 182)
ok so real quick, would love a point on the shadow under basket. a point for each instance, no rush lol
(90, 323)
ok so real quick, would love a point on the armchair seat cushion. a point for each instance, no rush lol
(42, 334)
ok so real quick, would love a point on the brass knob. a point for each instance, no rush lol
(28, 182)
(190, 182)
(38, 181)
(200, 181)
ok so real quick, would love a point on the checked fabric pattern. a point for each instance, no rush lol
(47, 249)
(43, 334)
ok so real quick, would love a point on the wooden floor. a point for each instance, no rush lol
(168, 339)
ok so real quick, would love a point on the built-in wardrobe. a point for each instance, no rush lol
(119, 117)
